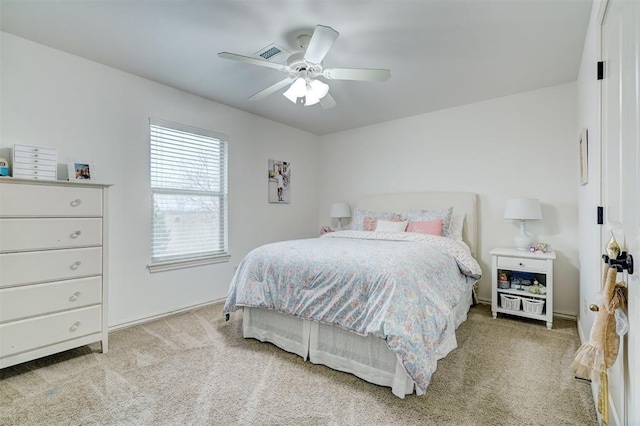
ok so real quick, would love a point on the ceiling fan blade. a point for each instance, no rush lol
(250, 60)
(320, 43)
(363, 74)
(327, 101)
(271, 89)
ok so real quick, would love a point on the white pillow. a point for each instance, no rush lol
(390, 226)
(457, 222)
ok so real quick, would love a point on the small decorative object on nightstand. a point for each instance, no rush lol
(325, 230)
(534, 300)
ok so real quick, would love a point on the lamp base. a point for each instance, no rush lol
(523, 242)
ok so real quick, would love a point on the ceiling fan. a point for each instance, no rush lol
(304, 67)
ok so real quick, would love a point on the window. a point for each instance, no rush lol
(189, 196)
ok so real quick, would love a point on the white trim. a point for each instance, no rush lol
(164, 315)
(170, 265)
(559, 314)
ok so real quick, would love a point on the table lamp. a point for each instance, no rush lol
(339, 211)
(523, 209)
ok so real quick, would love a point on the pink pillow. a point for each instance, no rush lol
(433, 227)
(371, 223)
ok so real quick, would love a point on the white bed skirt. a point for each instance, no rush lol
(366, 357)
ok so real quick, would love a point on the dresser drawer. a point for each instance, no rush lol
(34, 166)
(522, 263)
(34, 151)
(49, 200)
(51, 265)
(25, 335)
(40, 299)
(49, 233)
(37, 175)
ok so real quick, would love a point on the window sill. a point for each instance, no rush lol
(170, 265)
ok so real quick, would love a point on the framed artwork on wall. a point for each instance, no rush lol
(279, 182)
(81, 171)
(584, 157)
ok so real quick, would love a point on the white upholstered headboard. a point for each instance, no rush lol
(462, 202)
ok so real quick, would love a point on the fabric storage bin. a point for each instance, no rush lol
(510, 302)
(532, 306)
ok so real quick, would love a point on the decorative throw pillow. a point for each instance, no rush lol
(433, 227)
(371, 222)
(457, 223)
(357, 220)
(425, 215)
(390, 226)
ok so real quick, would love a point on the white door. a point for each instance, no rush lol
(620, 49)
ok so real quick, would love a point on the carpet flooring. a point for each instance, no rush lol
(196, 369)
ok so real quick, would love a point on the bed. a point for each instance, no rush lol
(339, 331)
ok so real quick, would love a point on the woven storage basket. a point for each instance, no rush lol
(532, 306)
(510, 302)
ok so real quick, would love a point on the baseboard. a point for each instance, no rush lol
(164, 315)
(560, 314)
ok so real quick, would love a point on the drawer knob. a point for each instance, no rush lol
(521, 264)
(74, 296)
(75, 265)
(75, 234)
(76, 202)
(75, 326)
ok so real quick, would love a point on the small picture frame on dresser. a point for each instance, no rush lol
(81, 171)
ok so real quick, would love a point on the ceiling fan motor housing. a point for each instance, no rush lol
(300, 68)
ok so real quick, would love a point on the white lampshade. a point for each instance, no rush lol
(523, 209)
(340, 210)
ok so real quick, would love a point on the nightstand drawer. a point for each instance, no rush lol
(522, 263)
(24, 335)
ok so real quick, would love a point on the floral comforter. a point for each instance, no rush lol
(400, 287)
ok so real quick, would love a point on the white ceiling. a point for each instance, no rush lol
(441, 53)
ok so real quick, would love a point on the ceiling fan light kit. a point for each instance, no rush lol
(303, 68)
(311, 90)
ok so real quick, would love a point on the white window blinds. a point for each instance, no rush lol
(189, 190)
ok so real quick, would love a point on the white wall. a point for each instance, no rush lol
(588, 100)
(523, 145)
(88, 111)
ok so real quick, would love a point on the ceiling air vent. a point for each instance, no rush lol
(273, 53)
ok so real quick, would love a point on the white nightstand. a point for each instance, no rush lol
(520, 302)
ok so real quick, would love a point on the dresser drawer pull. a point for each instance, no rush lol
(74, 296)
(75, 265)
(75, 234)
(76, 202)
(521, 264)
(75, 326)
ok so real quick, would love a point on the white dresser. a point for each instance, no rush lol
(53, 267)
